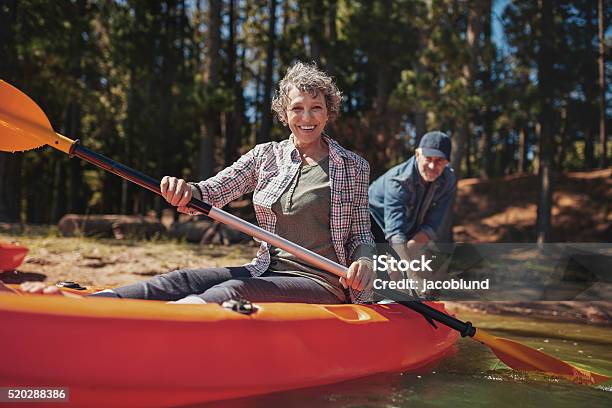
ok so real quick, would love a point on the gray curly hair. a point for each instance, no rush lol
(307, 78)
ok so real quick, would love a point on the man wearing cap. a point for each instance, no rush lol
(409, 202)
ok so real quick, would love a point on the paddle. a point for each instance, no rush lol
(24, 126)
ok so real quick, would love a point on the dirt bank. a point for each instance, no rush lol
(504, 210)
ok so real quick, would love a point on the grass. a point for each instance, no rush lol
(110, 262)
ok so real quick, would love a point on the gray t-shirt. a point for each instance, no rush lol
(302, 216)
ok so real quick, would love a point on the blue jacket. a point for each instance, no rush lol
(401, 205)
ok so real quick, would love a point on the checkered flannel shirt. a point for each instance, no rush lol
(269, 168)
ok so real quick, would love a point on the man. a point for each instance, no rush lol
(409, 202)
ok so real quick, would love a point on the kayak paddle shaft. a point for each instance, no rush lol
(232, 221)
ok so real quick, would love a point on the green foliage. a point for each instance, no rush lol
(132, 80)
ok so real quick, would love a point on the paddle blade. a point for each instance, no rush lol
(17, 105)
(521, 357)
(23, 125)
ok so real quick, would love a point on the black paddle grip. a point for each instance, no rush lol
(464, 328)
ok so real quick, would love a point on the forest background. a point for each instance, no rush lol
(184, 88)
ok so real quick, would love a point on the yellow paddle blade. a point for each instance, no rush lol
(23, 125)
(521, 357)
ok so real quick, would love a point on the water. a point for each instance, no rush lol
(473, 376)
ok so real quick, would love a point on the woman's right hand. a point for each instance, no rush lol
(178, 193)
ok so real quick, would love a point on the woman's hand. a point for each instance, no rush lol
(178, 193)
(360, 276)
(40, 288)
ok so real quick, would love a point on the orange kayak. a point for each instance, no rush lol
(134, 353)
(11, 256)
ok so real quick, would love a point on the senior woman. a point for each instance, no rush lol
(307, 189)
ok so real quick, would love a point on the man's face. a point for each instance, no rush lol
(430, 167)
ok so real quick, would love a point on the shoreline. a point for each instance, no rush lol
(107, 263)
(597, 313)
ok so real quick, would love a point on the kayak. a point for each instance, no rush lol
(11, 256)
(118, 352)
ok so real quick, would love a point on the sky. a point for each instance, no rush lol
(498, 33)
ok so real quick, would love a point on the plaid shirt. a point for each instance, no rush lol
(269, 168)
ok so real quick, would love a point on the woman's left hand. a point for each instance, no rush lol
(360, 276)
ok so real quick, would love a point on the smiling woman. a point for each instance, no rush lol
(300, 193)
(306, 189)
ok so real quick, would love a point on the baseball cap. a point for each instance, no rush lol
(436, 144)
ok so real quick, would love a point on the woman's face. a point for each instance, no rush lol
(306, 115)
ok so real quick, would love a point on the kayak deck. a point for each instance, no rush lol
(145, 353)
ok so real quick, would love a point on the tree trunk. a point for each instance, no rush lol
(75, 178)
(266, 120)
(212, 124)
(382, 89)
(469, 72)
(565, 140)
(545, 78)
(383, 84)
(254, 128)
(314, 10)
(286, 14)
(468, 162)
(459, 144)
(10, 164)
(3, 197)
(332, 36)
(55, 194)
(602, 86)
(523, 147)
(425, 42)
(233, 124)
(10, 183)
(460, 137)
(484, 145)
(240, 102)
(507, 153)
(484, 151)
(75, 201)
(591, 91)
(445, 231)
(126, 197)
(420, 126)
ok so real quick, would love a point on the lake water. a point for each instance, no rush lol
(473, 376)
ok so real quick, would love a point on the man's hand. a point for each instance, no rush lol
(408, 251)
(419, 238)
(360, 276)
